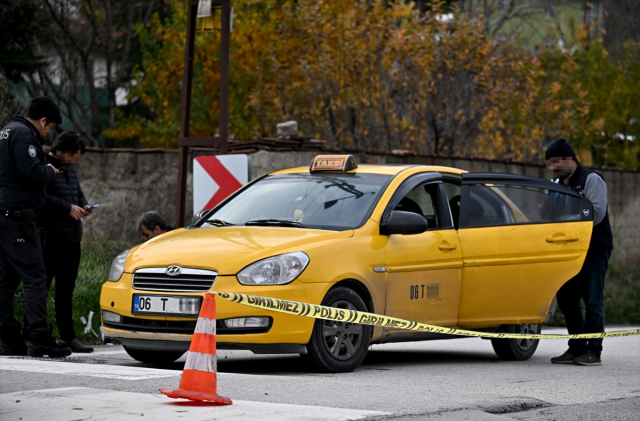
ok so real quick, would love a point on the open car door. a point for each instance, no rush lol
(522, 238)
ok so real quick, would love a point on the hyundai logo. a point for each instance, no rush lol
(173, 270)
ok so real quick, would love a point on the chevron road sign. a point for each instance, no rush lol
(216, 177)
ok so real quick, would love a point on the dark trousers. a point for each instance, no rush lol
(587, 285)
(62, 258)
(21, 259)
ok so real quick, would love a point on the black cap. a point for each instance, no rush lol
(559, 148)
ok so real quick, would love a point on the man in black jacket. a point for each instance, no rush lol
(64, 208)
(588, 284)
(24, 175)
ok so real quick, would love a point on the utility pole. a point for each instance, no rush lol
(185, 140)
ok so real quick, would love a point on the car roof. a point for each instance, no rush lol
(380, 169)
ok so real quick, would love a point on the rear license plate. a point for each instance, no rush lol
(167, 305)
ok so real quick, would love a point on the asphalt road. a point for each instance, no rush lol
(459, 379)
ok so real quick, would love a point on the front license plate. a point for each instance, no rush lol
(167, 305)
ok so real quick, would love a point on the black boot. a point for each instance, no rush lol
(40, 348)
(76, 346)
(13, 349)
(13, 344)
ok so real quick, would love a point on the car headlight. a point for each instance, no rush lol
(117, 266)
(276, 270)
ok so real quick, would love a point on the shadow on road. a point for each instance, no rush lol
(377, 359)
(413, 357)
(263, 364)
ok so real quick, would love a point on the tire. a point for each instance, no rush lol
(153, 357)
(352, 340)
(517, 349)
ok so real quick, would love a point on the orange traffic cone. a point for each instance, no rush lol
(199, 378)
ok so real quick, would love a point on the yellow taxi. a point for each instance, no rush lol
(438, 245)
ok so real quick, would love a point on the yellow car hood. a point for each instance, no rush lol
(226, 249)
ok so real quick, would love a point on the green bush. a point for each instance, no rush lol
(97, 254)
(622, 294)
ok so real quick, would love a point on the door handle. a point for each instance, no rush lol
(565, 238)
(448, 246)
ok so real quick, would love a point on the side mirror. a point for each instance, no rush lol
(406, 223)
(199, 215)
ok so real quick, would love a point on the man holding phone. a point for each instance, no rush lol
(61, 219)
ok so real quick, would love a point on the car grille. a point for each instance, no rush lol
(157, 326)
(189, 280)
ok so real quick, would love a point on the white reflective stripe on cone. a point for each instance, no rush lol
(201, 362)
(207, 326)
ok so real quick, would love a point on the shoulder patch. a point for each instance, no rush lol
(32, 151)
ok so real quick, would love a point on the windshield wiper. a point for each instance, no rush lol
(219, 223)
(274, 221)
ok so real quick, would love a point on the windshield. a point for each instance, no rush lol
(323, 201)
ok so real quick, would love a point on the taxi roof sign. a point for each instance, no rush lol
(333, 163)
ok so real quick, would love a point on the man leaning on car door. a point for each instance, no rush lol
(588, 284)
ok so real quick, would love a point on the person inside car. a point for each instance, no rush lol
(151, 224)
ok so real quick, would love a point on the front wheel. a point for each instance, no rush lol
(153, 357)
(338, 347)
(517, 349)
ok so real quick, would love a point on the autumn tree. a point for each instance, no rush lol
(158, 84)
(583, 94)
(366, 75)
(387, 76)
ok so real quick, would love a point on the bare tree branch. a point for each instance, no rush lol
(90, 50)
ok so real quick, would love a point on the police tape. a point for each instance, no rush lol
(360, 317)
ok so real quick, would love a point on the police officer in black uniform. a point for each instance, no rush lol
(24, 175)
(588, 284)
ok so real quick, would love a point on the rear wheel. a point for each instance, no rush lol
(153, 357)
(517, 349)
(338, 347)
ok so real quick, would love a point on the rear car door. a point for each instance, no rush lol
(522, 238)
(423, 270)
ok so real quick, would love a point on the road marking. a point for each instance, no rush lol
(98, 353)
(82, 369)
(98, 404)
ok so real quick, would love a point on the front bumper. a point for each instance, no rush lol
(147, 340)
(286, 333)
(175, 342)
